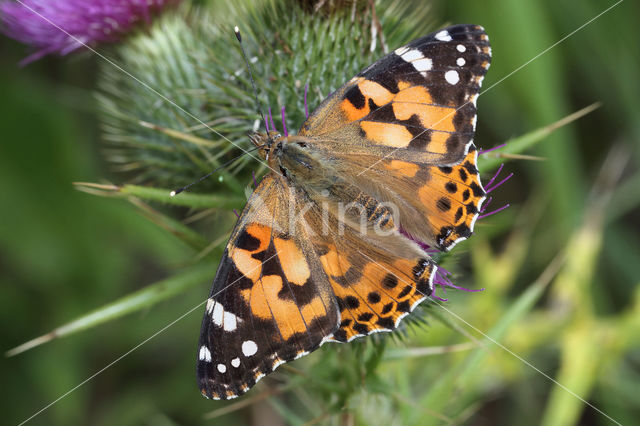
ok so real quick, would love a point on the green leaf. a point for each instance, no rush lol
(133, 302)
(458, 378)
(184, 199)
(517, 146)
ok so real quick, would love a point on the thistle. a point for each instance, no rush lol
(63, 26)
(194, 59)
(301, 51)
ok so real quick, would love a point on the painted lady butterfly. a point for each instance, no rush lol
(321, 251)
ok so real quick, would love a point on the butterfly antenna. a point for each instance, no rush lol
(253, 84)
(184, 188)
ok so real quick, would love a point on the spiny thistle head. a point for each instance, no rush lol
(63, 26)
(193, 58)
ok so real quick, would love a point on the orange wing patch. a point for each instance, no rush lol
(397, 119)
(294, 264)
(394, 135)
(357, 102)
(417, 100)
(453, 196)
(265, 303)
(378, 295)
(275, 270)
(249, 266)
(403, 168)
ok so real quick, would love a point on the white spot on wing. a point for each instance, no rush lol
(412, 55)
(417, 59)
(230, 321)
(460, 62)
(422, 65)
(235, 362)
(452, 76)
(222, 368)
(217, 314)
(461, 48)
(249, 347)
(401, 50)
(220, 317)
(444, 36)
(205, 354)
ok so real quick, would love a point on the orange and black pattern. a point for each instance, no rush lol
(402, 131)
(268, 304)
(421, 97)
(373, 295)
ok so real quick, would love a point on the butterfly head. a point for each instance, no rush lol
(293, 156)
(268, 144)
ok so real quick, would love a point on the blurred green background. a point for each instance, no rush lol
(560, 266)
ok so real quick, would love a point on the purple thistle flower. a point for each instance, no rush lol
(306, 109)
(442, 279)
(63, 26)
(284, 124)
(484, 151)
(273, 126)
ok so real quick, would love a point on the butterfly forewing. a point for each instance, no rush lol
(270, 302)
(420, 97)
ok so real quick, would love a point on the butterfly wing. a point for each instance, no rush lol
(436, 205)
(377, 278)
(417, 102)
(280, 290)
(292, 278)
(270, 302)
(408, 120)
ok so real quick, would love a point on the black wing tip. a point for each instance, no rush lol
(464, 28)
(214, 389)
(459, 33)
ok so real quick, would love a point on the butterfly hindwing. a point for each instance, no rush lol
(452, 198)
(375, 288)
(437, 205)
(269, 303)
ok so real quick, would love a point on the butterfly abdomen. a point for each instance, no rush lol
(379, 215)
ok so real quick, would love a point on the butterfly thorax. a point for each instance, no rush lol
(297, 159)
(303, 164)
